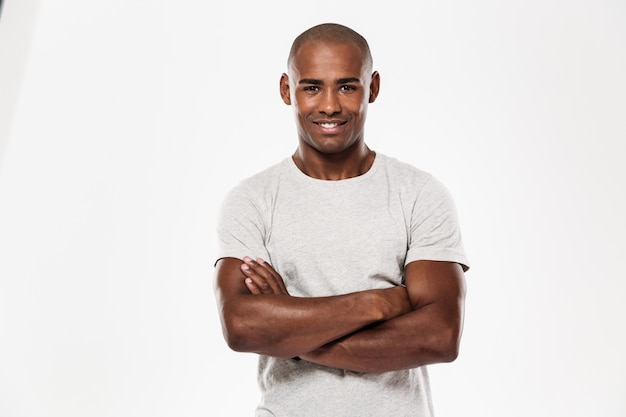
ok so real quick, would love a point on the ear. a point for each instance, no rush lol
(374, 86)
(284, 89)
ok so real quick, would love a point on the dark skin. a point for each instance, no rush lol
(271, 322)
(429, 332)
(329, 86)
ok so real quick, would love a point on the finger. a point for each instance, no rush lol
(252, 287)
(264, 275)
(268, 281)
(277, 277)
(265, 271)
(260, 282)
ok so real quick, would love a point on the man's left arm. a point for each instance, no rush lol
(431, 333)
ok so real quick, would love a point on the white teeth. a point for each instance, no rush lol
(329, 125)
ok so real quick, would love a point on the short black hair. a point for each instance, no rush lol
(332, 33)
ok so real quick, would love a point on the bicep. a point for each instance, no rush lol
(437, 283)
(230, 291)
(228, 279)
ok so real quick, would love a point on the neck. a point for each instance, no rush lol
(334, 167)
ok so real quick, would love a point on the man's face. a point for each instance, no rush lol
(329, 88)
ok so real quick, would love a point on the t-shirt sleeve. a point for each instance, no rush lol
(241, 228)
(435, 233)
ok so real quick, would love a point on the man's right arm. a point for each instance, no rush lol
(284, 326)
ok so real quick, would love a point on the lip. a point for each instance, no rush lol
(330, 126)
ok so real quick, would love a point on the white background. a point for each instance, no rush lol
(124, 122)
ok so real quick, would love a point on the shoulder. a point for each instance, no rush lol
(405, 175)
(414, 184)
(251, 198)
(262, 181)
(393, 164)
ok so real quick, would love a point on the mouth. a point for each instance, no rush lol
(329, 125)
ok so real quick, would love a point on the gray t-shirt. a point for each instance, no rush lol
(335, 237)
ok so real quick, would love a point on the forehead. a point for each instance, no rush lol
(321, 60)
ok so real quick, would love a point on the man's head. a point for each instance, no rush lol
(330, 84)
(332, 33)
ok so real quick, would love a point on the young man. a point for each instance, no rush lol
(341, 267)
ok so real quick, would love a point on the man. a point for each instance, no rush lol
(342, 268)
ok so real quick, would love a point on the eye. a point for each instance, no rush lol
(347, 88)
(311, 88)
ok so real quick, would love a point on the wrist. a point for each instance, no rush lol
(395, 302)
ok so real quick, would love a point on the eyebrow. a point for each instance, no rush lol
(347, 80)
(310, 81)
(313, 81)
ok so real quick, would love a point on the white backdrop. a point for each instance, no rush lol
(124, 123)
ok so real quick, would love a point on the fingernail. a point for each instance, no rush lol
(244, 266)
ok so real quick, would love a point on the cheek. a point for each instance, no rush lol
(303, 107)
(358, 105)
(361, 110)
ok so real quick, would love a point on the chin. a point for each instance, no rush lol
(333, 145)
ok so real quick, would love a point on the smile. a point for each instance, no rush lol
(329, 125)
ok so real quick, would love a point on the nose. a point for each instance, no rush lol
(329, 103)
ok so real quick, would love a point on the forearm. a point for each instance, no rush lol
(284, 326)
(418, 338)
(287, 326)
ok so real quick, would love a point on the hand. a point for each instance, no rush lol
(261, 278)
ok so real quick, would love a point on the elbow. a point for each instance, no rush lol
(240, 337)
(450, 354)
(236, 334)
(244, 336)
(235, 342)
(448, 345)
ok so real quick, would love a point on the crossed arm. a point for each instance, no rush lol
(367, 331)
